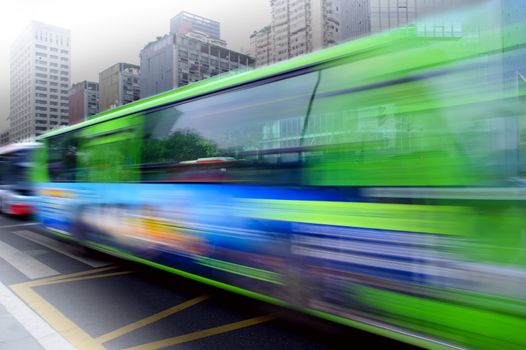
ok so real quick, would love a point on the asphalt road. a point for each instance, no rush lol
(96, 301)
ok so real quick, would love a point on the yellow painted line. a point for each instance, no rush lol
(63, 325)
(38, 282)
(203, 333)
(150, 319)
(83, 278)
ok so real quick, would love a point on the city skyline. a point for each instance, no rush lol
(92, 50)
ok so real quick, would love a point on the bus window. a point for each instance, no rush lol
(110, 150)
(62, 157)
(251, 134)
(404, 132)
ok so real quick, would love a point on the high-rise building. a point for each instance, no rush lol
(4, 138)
(39, 81)
(186, 22)
(302, 26)
(175, 60)
(118, 85)
(83, 101)
(389, 14)
(261, 46)
(363, 17)
(354, 19)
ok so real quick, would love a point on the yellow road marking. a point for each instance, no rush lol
(203, 333)
(150, 319)
(61, 277)
(66, 280)
(83, 341)
(67, 328)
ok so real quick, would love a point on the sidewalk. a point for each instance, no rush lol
(13, 336)
(22, 329)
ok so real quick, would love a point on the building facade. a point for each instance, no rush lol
(355, 19)
(364, 17)
(261, 46)
(302, 26)
(186, 22)
(39, 81)
(83, 101)
(177, 60)
(4, 138)
(118, 85)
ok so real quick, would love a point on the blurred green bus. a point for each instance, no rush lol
(378, 183)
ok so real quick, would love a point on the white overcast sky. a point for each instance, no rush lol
(104, 32)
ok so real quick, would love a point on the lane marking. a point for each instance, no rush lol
(19, 225)
(58, 247)
(83, 278)
(32, 322)
(57, 320)
(150, 319)
(43, 281)
(203, 333)
(67, 328)
(26, 264)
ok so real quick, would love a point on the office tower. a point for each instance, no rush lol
(39, 81)
(363, 17)
(4, 138)
(261, 46)
(186, 22)
(354, 19)
(175, 60)
(83, 101)
(118, 85)
(302, 26)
